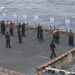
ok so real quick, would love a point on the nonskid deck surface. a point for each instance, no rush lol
(25, 58)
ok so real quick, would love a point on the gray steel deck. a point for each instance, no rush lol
(26, 57)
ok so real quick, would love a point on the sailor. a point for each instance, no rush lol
(52, 47)
(54, 36)
(40, 34)
(11, 28)
(3, 27)
(23, 29)
(19, 29)
(20, 37)
(38, 29)
(71, 39)
(57, 34)
(7, 36)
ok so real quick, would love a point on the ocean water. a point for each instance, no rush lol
(59, 9)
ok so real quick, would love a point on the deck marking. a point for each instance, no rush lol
(16, 51)
(42, 56)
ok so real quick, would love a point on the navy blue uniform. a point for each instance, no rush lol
(52, 47)
(7, 40)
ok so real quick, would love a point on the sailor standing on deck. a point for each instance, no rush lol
(57, 34)
(71, 39)
(20, 37)
(54, 36)
(41, 34)
(11, 28)
(38, 29)
(23, 29)
(19, 29)
(3, 27)
(52, 47)
(7, 36)
(68, 37)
